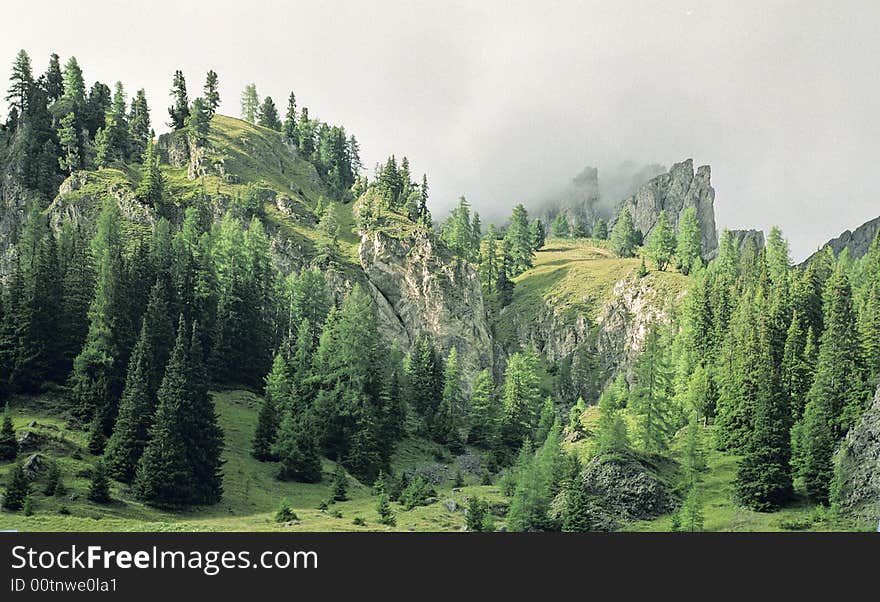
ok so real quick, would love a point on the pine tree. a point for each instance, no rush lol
(661, 242)
(623, 235)
(869, 325)
(54, 80)
(560, 228)
(68, 138)
(126, 445)
(99, 487)
(22, 81)
(54, 486)
(448, 420)
(151, 189)
(537, 234)
(8, 442)
(275, 399)
(611, 432)
(600, 229)
(577, 514)
(546, 420)
(289, 127)
(198, 123)
(296, 448)
(689, 246)
(519, 240)
(250, 104)
(484, 415)
(340, 485)
(18, 489)
(475, 517)
(838, 393)
(139, 128)
(778, 257)
(763, 481)
(690, 515)
(211, 93)
(520, 399)
(179, 110)
(269, 115)
(650, 396)
(74, 84)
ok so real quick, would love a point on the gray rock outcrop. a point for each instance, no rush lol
(674, 192)
(419, 292)
(857, 470)
(858, 241)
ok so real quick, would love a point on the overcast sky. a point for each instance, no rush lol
(504, 100)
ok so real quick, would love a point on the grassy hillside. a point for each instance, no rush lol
(578, 276)
(251, 492)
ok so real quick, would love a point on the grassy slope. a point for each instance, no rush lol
(251, 493)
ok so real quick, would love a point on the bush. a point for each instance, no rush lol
(359, 522)
(417, 493)
(285, 513)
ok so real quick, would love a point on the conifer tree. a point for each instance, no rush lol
(623, 235)
(54, 80)
(838, 393)
(448, 420)
(577, 514)
(661, 242)
(560, 228)
(484, 415)
(689, 245)
(869, 325)
(179, 110)
(211, 93)
(250, 104)
(275, 400)
(289, 127)
(126, 445)
(340, 485)
(198, 123)
(269, 115)
(778, 257)
(54, 486)
(18, 489)
(600, 229)
(22, 81)
(74, 85)
(68, 137)
(296, 448)
(546, 420)
(537, 234)
(140, 131)
(650, 396)
(99, 487)
(164, 475)
(8, 442)
(151, 189)
(611, 431)
(519, 240)
(521, 398)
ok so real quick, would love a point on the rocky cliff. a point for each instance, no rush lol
(858, 241)
(674, 192)
(417, 291)
(857, 470)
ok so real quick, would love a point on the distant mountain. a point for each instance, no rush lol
(858, 241)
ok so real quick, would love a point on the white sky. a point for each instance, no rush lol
(505, 100)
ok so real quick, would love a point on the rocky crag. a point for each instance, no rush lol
(857, 470)
(674, 192)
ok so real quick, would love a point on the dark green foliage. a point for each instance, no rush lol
(276, 398)
(538, 478)
(484, 415)
(8, 442)
(838, 393)
(113, 142)
(285, 513)
(560, 227)
(611, 432)
(54, 486)
(417, 493)
(269, 115)
(649, 397)
(600, 229)
(54, 80)
(18, 488)
(424, 371)
(99, 485)
(477, 512)
(126, 445)
(140, 131)
(521, 398)
(340, 485)
(297, 450)
(211, 93)
(179, 110)
(449, 417)
(151, 189)
(577, 514)
(289, 126)
(198, 122)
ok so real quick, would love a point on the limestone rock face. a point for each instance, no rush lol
(858, 241)
(857, 470)
(81, 208)
(746, 237)
(675, 191)
(417, 291)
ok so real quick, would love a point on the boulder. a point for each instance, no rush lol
(857, 467)
(34, 464)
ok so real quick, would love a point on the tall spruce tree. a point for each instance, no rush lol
(624, 239)
(689, 245)
(211, 92)
(179, 109)
(661, 242)
(448, 420)
(275, 401)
